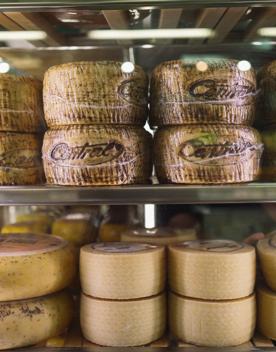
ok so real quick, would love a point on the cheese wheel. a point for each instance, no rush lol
(212, 269)
(122, 270)
(267, 85)
(266, 250)
(31, 321)
(75, 228)
(266, 302)
(36, 216)
(205, 154)
(123, 323)
(34, 265)
(25, 227)
(158, 236)
(95, 93)
(20, 159)
(111, 232)
(181, 93)
(211, 323)
(97, 155)
(269, 157)
(20, 104)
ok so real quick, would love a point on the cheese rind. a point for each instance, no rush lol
(20, 104)
(221, 94)
(34, 265)
(94, 93)
(212, 269)
(97, 155)
(266, 302)
(25, 227)
(207, 154)
(210, 323)
(28, 322)
(117, 270)
(266, 250)
(123, 323)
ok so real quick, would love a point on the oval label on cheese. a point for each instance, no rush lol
(272, 241)
(121, 247)
(133, 91)
(87, 154)
(20, 158)
(213, 245)
(27, 244)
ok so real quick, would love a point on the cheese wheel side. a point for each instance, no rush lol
(266, 250)
(266, 302)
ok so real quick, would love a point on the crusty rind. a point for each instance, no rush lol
(173, 168)
(173, 104)
(94, 93)
(20, 159)
(132, 166)
(20, 104)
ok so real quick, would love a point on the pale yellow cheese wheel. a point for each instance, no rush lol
(75, 228)
(34, 265)
(31, 321)
(266, 302)
(25, 227)
(123, 323)
(158, 236)
(212, 269)
(212, 323)
(266, 250)
(117, 270)
(36, 216)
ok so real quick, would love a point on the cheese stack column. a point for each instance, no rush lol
(35, 269)
(266, 250)
(123, 303)
(20, 124)
(95, 112)
(204, 110)
(212, 301)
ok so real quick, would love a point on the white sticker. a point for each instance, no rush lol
(121, 247)
(213, 245)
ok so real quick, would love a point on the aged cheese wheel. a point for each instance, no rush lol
(31, 321)
(122, 270)
(25, 227)
(212, 269)
(183, 94)
(269, 158)
(75, 228)
(94, 93)
(158, 236)
(34, 265)
(212, 323)
(207, 154)
(266, 302)
(20, 104)
(267, 102)
(20, 159)
(97, 155)
(266, 250)
(111, 232)
(36, 216)
(123, 323)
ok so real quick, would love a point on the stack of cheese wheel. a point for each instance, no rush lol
(204, 115)
(20, 125)
(35, 270)
(212, 301)
(266, 298)
(96, 112)
(123, 303)
(158, 236)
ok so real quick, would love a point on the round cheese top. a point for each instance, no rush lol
(154, 232)
(29, 244)
(121, 247)
(212, 245)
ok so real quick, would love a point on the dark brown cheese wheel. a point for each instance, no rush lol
(269, 157)
(20, 104)
(182, 94)
(267, 96)
(94, 93)
(213, 154)
(97, 155)
(20, 159)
